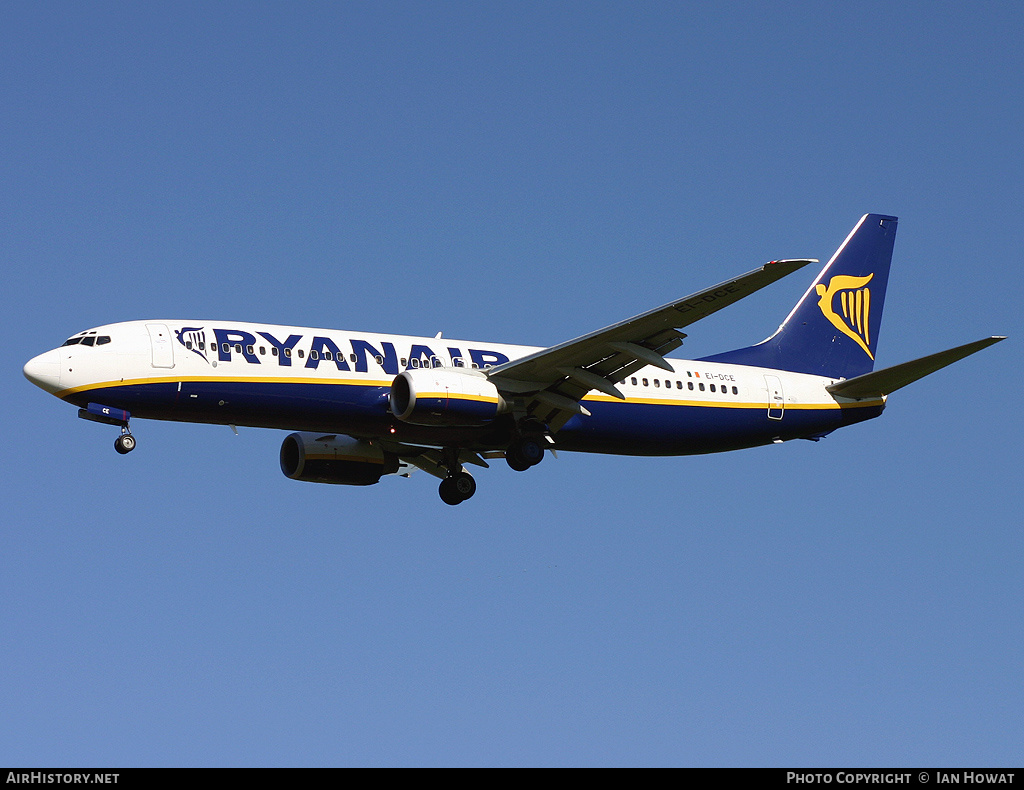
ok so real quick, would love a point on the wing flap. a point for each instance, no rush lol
(431, 459)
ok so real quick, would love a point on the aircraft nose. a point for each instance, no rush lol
(44, 370)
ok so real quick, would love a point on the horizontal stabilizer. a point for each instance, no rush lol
(882, 382)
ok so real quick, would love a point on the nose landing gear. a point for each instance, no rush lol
(108, 415)
(124, 443)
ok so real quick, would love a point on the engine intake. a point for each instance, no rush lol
(445, 396)
(335, 458)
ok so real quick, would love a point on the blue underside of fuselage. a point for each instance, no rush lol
(626, 428)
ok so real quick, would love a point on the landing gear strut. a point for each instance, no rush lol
(458, 485)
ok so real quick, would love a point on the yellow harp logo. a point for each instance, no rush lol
(855, 304)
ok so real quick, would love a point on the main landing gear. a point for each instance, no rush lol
(457, 488)
(524, 452)
(458, 485)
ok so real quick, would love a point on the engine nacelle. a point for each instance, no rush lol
(335, 458)
(445, 396)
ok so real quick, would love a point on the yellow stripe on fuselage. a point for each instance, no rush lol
(221, 379)
(349, 382)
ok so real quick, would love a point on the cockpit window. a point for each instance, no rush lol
(87, 340)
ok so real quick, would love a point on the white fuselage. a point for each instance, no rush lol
(301, 378)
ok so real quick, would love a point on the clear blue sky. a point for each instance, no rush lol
(515, 172)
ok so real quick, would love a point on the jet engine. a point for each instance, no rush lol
(445, 396)
(335, 458)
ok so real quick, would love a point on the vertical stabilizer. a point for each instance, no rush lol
(833, 330)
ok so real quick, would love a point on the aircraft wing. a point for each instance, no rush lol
(550, 384)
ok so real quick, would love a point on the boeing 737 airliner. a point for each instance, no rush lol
(369, 405)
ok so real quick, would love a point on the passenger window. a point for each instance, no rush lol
(263, 351)
(225, 347)
(188, 344)
(656, 383)
(378, 359)
(273, 351)
(202, 346)
(712, 387)
(689, 384)
(701, 385)
(633, 381)
(238, 348)
(327, 355)
(301, 353)
(735, 391)
(679, 385)
(414, 362)
(287, 352)
(402, 362)
(644, 381)
(314, 354)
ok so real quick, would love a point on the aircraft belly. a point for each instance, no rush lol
(264, 404)
(362, 410)
(655, 429)
(294, 406)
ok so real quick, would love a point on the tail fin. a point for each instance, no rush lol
(833, 330)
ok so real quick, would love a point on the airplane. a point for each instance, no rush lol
(364, 405)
